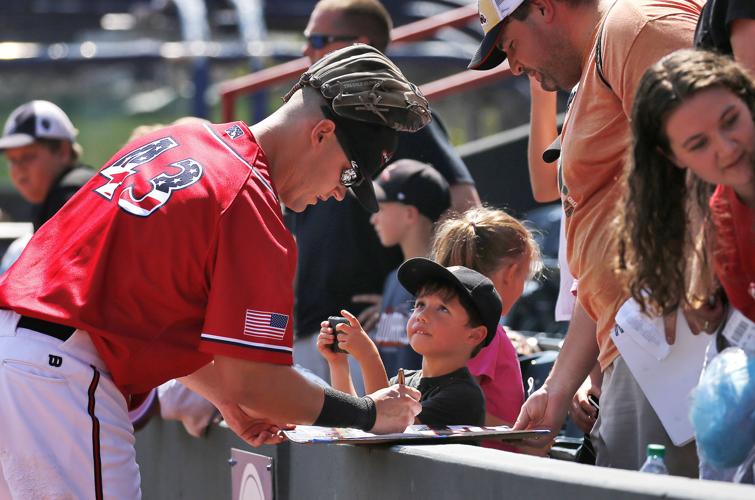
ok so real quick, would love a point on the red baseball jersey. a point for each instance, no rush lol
(176, 251)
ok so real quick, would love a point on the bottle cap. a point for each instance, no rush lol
(656, 450)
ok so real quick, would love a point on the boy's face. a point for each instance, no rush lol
(34, 168)
(391, 222)
(439, 326)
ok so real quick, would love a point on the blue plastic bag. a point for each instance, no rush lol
(723, 409)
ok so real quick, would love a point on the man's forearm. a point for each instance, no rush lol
(276, 392)
(577, 356)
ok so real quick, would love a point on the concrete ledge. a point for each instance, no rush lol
(175, 465)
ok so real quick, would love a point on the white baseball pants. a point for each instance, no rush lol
(64, 426)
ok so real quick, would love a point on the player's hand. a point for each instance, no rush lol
(582, 412)
(353, 339)
(396, 408)
(371, 314)
(256, 431)
(705, 319)
(541, 411)
(325, 340)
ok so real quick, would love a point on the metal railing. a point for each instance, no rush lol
(230, 90)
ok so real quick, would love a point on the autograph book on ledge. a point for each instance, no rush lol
(308, 434)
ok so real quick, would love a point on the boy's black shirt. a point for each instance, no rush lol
(451, 399)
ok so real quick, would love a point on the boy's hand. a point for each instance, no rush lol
(353, 339)
(325, 339)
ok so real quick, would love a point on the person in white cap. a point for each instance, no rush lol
(604, 46)
(39, 143)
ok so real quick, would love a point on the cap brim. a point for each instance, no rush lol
(365, 193)
(415, 273)
(488, 56)
(15, 141)
(553, 151)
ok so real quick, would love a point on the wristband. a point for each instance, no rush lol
(343, 410)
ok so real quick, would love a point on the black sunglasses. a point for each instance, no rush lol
(318, 41)
(352, 175)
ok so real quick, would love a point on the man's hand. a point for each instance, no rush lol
(582, 412)
(254, 430)
(542, 411)
(396, 408)
(370, 315)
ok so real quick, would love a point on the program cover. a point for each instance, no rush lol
(414, 433)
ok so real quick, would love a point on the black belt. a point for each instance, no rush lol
(56, 330)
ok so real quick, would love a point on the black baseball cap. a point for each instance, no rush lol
(473, 286)
(492, 14)
(369, 148)
(370, 100)
(417, 184)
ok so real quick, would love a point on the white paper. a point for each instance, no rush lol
(648, 332)
(666, 382)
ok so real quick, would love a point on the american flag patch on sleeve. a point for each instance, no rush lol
(265, 324)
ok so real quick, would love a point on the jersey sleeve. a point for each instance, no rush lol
(250, 300)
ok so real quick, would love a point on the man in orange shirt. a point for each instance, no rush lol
(605, 46)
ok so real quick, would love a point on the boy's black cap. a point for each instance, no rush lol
(417, 184)
(479, 290)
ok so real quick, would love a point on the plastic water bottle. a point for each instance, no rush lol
(654, 461)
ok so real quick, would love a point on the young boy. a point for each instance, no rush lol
(456, 313)
(412, 196)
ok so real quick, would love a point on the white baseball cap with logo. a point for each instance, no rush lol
(492, 14)
(36, 120)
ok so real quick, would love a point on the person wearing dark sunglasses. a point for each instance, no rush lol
(334, 24)
(319, 41)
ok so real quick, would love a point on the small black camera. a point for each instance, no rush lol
(333, 321)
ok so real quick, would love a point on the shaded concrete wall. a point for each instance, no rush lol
(177, 466)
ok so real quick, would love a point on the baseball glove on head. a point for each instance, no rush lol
(361, 84)
(370, 101)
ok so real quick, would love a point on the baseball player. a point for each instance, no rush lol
(174, 262)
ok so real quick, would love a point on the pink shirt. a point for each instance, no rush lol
(497, 367)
